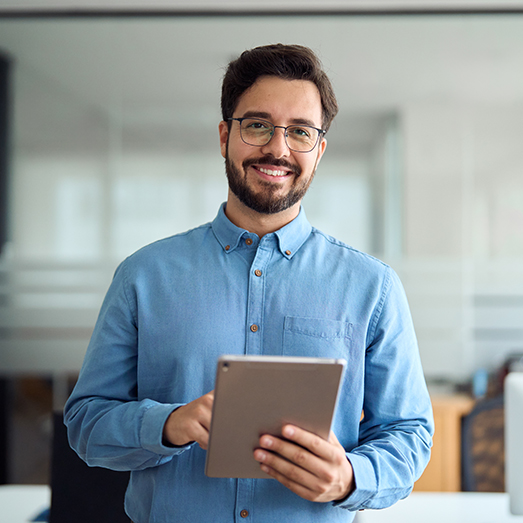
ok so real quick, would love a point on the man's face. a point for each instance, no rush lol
(272, 178)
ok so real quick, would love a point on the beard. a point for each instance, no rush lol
(266, 201)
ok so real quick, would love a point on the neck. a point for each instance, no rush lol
(255, 222)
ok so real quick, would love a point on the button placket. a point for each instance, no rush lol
(254, 342)
(244, 500)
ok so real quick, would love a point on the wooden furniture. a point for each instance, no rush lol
(443, 473)
(483, 446)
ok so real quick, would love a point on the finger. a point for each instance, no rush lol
(198, 430)
(287, 473)
(299, 481)
(293, 461)
(314, 478)
(306, 471)
(203, 417)
(190, 422)
(206, 402)
(295, 486)
(290, 451)
(203, 421)
(324, 449)
(209, 395)
(203, 440)
(307, 451)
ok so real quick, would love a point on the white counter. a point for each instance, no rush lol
(22, 503)
(445, 507)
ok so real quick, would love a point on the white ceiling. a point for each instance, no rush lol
(255, 5)
(159, 70)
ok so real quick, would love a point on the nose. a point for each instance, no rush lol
(277, 145)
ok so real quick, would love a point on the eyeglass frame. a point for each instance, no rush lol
(321, 132)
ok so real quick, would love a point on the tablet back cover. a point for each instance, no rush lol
(257, 395)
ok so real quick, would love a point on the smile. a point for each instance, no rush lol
(273, 172)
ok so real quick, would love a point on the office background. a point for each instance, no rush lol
(113, 144)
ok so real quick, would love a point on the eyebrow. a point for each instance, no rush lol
(267, 116)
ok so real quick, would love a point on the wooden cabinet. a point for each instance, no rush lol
(443, 473)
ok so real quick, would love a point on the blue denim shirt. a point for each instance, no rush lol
(176, 305)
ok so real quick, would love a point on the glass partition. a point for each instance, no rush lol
(114, 144)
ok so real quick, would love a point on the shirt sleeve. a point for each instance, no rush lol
(108, 425)
(397, 426)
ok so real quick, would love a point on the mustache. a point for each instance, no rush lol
(271, 160)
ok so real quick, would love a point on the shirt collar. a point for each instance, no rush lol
(290, 237)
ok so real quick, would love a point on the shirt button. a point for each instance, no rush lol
(288, 253)
(254, 328)
(244, 513)
(248, 241)
(227, 247)
(258, 272)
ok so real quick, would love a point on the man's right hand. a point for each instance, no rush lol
(190, 422)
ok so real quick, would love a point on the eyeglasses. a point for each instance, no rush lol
(258, 132)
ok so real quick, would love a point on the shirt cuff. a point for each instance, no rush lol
(365, 481)
(151, 432)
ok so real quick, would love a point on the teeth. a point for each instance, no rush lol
(270, 172)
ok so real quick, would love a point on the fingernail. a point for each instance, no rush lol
(266, 442)
(259, 455)
(288, 432)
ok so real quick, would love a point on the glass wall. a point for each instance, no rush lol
(115, 144)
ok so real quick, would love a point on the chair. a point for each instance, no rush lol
(79, 493)
(483, 447)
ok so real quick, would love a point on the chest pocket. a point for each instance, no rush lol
(316, 337)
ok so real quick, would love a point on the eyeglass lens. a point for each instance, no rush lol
(259, 132)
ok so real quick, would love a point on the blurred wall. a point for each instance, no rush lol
(115, 145)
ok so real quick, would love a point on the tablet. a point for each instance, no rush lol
(256, 395)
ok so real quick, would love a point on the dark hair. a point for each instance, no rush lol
(289, 62)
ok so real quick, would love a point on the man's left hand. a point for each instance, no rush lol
(311, 467)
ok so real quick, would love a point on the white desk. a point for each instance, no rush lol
(445, 507)
(21, 503)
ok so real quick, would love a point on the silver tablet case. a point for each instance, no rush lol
(257, 395)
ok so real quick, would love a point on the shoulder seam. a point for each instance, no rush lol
(168, 238)
(343, 245)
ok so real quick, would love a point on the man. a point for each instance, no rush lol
(257, 280)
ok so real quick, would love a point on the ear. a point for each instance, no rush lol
(223, 129)
(321, 149)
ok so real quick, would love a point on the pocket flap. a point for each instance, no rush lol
(318, 328)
